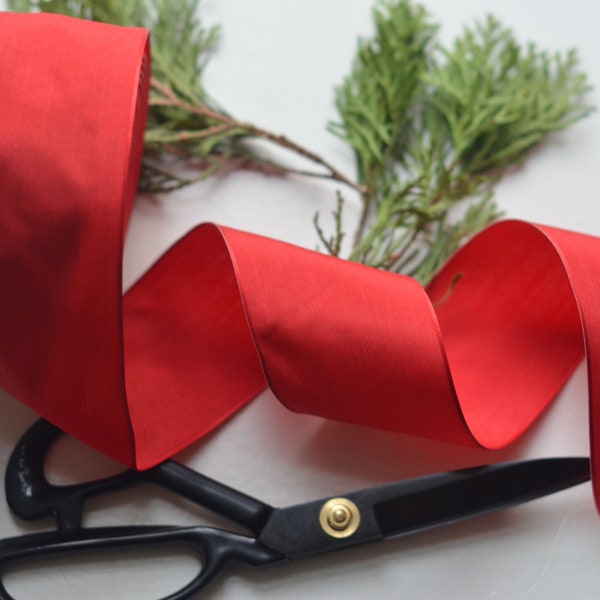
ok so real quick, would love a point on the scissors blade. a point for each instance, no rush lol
(415, 505)
(476, 492)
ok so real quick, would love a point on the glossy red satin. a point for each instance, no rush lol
(224, 313)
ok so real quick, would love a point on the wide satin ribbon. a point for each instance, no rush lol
(224, 313)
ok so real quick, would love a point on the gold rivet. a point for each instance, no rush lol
(339, 517)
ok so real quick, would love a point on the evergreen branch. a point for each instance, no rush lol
(499, 100)
(430, 127)
(154, 179)
(376, 101)
(461, 118)
(333, 244)
(169, 98)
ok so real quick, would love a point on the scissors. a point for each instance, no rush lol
(276, 535)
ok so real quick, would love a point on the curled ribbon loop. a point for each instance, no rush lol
(224, 313)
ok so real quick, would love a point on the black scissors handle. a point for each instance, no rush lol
(31, 496)
(213, 547)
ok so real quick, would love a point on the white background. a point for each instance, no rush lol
(276, 66)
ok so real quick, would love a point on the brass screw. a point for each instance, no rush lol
(339, 517)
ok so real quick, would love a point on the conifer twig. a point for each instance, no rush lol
(167, 97)
(431, 127)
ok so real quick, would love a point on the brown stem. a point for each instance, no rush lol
(170, 98)
(364, 215)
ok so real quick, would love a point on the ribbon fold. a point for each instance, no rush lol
(224, 313)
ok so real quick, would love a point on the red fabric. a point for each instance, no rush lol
(224, 313)
(72, 104)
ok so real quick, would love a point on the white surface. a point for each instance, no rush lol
(276, 67)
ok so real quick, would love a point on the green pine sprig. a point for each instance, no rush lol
(432, 129)
(458, 120)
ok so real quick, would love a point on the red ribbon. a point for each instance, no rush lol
(224, 313)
